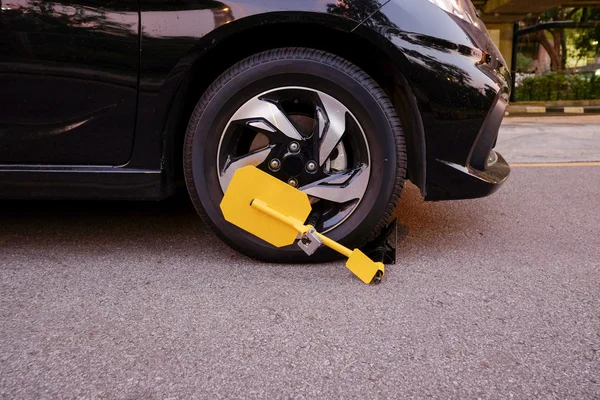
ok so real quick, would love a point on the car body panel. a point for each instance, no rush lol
(68, 73)
(459, 78)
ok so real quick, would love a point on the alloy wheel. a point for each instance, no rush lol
(306, 138)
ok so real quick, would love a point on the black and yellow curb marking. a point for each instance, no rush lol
(516, 110)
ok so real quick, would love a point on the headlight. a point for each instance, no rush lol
(461, 8)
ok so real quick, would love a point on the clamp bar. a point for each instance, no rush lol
(299, 226)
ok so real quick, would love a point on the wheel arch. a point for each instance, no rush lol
(363, 47)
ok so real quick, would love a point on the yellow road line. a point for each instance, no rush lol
(556, 164)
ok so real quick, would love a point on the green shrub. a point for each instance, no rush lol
(560, 86)
(524, 63)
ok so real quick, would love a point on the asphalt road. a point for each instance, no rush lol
(551, 138)
(492, 298)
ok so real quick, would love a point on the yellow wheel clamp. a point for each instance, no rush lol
(275, 212)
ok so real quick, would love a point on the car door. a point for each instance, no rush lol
(68, 81)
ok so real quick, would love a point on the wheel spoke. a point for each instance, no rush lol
(340, 187)
(261, 126)
(332, 125)
(256, 158)
(262, 110)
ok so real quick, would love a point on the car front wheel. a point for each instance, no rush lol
(312, 120)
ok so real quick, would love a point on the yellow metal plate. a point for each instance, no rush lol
(249, 183)
(363, 267)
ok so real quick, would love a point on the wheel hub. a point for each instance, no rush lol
(293, 166)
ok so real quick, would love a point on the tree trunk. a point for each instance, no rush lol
(556, 35)
(552, 52)
(563, 48)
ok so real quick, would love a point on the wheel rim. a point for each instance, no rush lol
(306, 138)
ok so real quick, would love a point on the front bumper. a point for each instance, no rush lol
(466, 182)
(475, 178)
(461, 84)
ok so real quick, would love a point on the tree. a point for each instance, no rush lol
(553, 40)
(588, 40)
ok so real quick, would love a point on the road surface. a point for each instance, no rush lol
(491, 298)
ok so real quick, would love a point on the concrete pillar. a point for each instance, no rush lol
(502, 35)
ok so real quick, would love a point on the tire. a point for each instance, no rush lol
(309, 76)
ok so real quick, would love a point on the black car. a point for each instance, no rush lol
(343, 99)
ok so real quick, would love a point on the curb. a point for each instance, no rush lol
(553, 110)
